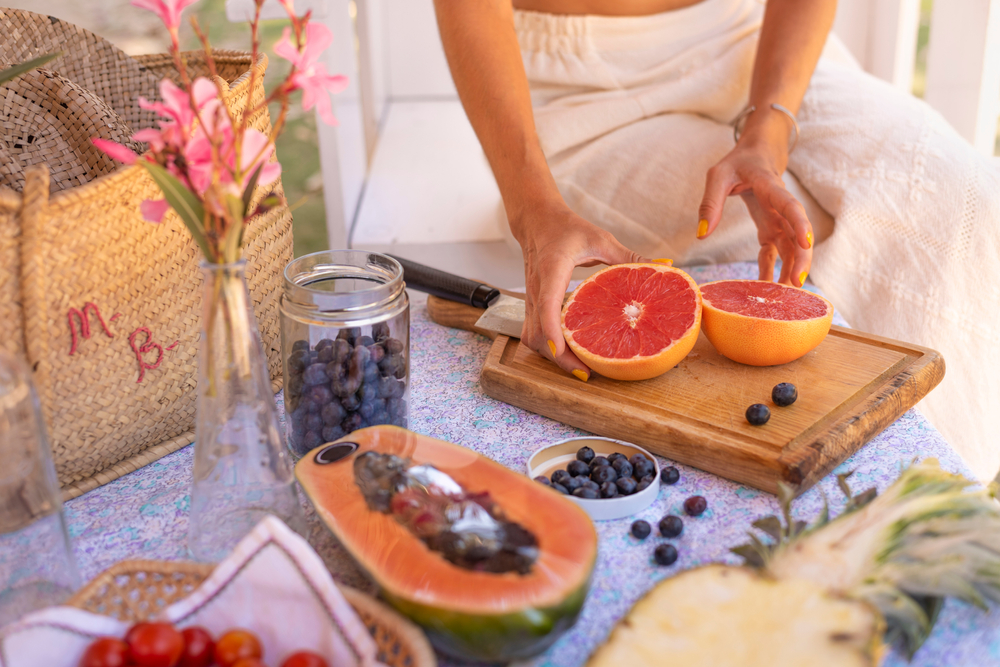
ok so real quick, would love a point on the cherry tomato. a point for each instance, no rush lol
(249, 662)
(198, 647)
(105, 652)
(304, 659)
(155, 644)
(235, 645)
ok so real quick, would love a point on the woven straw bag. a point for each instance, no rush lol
(105, 306)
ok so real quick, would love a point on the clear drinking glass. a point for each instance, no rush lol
(36, 561)
(242, 471)
(345, 345)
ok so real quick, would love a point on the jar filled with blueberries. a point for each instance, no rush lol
(345, 342)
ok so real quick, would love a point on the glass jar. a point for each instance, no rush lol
(345, 344)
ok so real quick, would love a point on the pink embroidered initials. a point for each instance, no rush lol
(84, 323)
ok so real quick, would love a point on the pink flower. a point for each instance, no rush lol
(169, 11)
(310, 75)
(176, 104)
(257, 149)
(153, 210)
(115, 150)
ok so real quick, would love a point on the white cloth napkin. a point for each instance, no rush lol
(273, 583)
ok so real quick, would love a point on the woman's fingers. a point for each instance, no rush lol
(772, 194)
(719, 185)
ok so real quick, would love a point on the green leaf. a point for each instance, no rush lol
(749, 554)
(17, 70)
(234, 235)
(251, 186)
(183, 201)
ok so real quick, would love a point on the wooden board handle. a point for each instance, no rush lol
(456, 315)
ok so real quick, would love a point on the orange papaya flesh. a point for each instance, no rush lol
(472, 615)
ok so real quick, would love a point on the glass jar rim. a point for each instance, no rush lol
(384, 272)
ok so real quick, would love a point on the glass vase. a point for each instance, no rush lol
(242, 471)
(36, 560)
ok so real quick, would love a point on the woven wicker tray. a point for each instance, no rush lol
(138, 589)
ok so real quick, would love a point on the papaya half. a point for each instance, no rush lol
(468, 613)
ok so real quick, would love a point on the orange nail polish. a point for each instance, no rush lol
(809, 238)
(702, 228)
(552, 346)
(802, 277)
(580, 375)
(668, 262)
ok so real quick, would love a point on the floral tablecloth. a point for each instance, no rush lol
(145, 514)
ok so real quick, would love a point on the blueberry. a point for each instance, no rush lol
(377, 353)
(352, 422)
(615, 456)
(319, 395)
(332, 413)
(368, 393)
(670, 475)
(560, 476)
(297, 361)
(642, 467)
(315, 374)
(602, 474)
(573, 483)
(695, 505)
(585, 454)
(609, 490)
(598, 461)
(371, 373)
(350, 334)
(541, 479)
(341, 350)
(331, 433)
(393, 346)
(584, 492)
(396, 408)
(351, 402)
(325, 354)
(311, 440)
(591, 484)
(622, 467)
(671, 526)
(389, 387)
(578, 468)
(380, 331)
(758, 414)
(366, 341)
(644, 483)
(560, 488)
(313, 422)
(294, 386)
(784, 394)
(325, 342)
(641, 529)
(626, 485)
(300, 345)
(665, 554)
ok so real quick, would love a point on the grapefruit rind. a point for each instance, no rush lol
(638, 367)
(757, 341)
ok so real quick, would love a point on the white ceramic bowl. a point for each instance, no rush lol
(549, 459)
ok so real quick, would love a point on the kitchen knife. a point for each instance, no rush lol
(504, 313)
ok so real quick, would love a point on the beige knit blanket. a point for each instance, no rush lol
(632, 112)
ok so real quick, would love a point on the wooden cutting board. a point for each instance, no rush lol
(851, 387)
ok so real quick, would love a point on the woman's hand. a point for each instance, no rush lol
(753, 170)
(554, 241)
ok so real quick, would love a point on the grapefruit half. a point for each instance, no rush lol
(633, 321)
(761, 323)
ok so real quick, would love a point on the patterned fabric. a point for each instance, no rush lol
(145, 513)
(633, 111)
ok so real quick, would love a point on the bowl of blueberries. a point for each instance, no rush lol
(609, 479)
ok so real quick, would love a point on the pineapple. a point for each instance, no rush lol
(831, 593)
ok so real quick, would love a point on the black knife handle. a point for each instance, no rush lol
(446, 285)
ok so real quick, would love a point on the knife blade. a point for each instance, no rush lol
(504, 313)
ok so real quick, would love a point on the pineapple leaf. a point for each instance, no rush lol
(842, 483)
(770, 525)
(749, 554)
(862, 499)
(786, 494)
